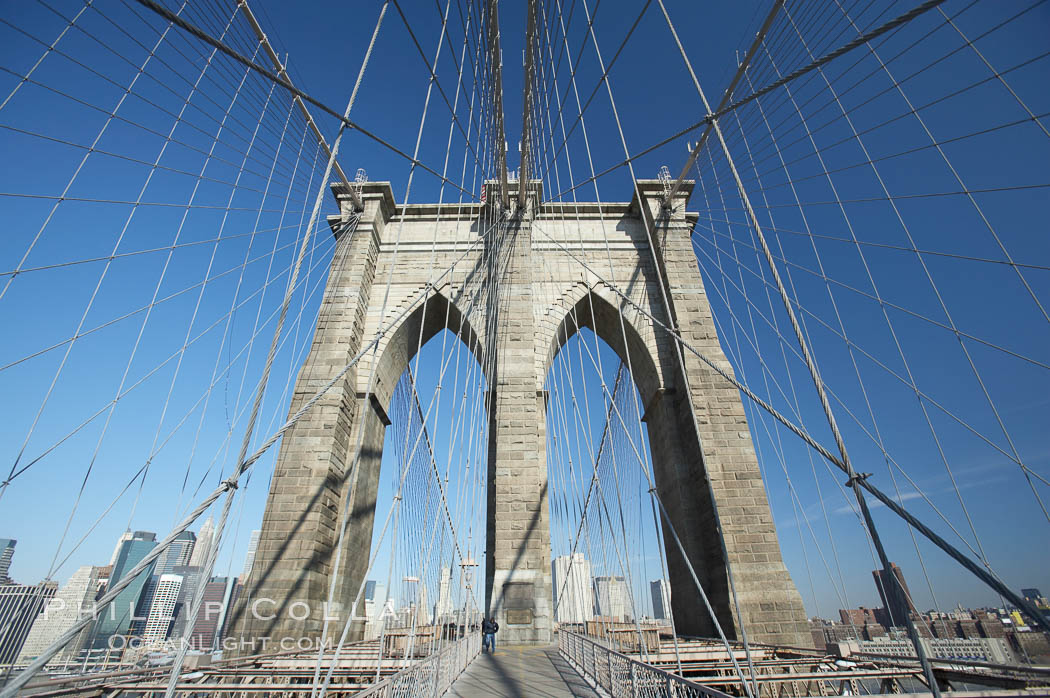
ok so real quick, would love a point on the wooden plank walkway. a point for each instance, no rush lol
(521, 672)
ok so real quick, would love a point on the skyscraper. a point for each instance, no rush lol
(126, 535)
(613, 598)
(104, 573)
(162, 610)
(409, 592)
(178, 553)
(20, 606)
(573, 591)
(661, 592)
(138, 621)
(898, 605)
(414, 600)
(210, 615)
(375, 599)
(7, 552)
(443, 607)
(75, 597)
(368, 606)
(233, 591)
(118, 616)
(249, 558)
(191, 579)
(422, 606)
(204, 543)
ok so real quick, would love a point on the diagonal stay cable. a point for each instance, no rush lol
(846, 48)
(264, 379)
(102, 276)
(437, 84)
(207, 38)
(888, 501)
(867, 354)
(866, 243)
(11, 689)
(171, 434)
(143, 308)
(598, 84)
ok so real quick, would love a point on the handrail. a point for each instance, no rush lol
(52, 681)
(617, 674)
(431, 676)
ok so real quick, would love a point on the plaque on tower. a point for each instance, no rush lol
(519, 602)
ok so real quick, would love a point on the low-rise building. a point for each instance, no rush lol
(995, 650)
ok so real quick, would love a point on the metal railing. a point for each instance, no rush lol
(617, 675)
(432, 676)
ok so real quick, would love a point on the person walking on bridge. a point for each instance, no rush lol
(489, 628)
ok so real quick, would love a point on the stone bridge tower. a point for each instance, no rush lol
(709, 481)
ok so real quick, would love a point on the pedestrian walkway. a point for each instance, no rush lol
(521, 672)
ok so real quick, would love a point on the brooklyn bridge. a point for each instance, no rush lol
(552, 348)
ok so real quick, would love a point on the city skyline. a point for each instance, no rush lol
(157, 603)
(970, 633)
(641, 592)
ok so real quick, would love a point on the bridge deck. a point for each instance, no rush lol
(521, 672)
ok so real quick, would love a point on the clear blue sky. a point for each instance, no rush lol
(325, 44)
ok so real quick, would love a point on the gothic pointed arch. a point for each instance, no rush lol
(397, 348)
(599, 309)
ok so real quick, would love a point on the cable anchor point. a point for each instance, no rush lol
(858, 477)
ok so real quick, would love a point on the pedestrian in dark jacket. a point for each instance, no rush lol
(489, 628)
